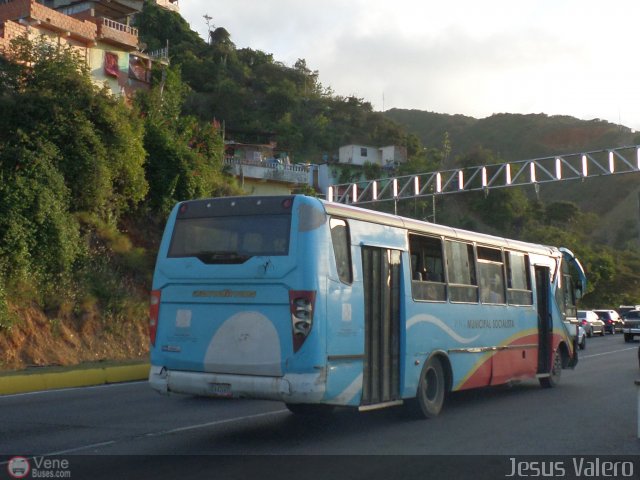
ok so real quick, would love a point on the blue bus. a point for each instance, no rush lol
(318, 304)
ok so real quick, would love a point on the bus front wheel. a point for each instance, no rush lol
(431, 390)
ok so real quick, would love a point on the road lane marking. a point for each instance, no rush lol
(70, 450)
(160, 434)
(607, 353)
(212, 424)
(79, 449)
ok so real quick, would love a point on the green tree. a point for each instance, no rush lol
(185, 155)
(68, 150)
(50, 94)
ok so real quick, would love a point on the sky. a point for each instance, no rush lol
(476, 58)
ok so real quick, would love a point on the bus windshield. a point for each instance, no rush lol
(231, 239)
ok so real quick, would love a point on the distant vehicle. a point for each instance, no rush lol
(582, 338)
(590, 322)
(631, 325)
(611, 319)
(622, 309)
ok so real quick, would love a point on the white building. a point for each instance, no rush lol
(393, 155)
(387, 156)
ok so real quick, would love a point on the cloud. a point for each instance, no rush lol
(573, 57)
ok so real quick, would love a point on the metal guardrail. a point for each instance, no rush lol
(161, 54)
(486, 177)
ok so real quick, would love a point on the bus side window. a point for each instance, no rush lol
(565, 293)
(569, 295)
(461, 272)
(342, 249)
(491, 274)
(568, 291)
(518, 279)
(427, 268)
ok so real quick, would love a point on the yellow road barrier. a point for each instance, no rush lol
(81, 377)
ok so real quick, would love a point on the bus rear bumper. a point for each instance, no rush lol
(291, 388)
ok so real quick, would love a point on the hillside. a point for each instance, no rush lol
(515, 137)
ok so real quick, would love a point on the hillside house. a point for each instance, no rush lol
(100, 30)
(388, 157)
(262, 170)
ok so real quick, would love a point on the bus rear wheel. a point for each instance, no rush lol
(431, 390)
(554, 375)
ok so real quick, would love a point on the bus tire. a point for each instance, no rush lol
(309, 409)
(431, 390)
(554, 375)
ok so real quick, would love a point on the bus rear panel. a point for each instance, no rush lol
(237, 298)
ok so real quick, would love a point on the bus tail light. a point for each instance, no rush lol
(302, 304)
(154, 311)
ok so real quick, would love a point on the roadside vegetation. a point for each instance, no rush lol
(85, 184)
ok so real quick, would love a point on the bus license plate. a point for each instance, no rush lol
(221, 389)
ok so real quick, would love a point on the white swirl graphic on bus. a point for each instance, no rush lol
(345, 397)
(423, 318)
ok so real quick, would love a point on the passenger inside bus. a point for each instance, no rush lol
(491, 290)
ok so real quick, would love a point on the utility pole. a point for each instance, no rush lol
(208, 19)
(433, 200)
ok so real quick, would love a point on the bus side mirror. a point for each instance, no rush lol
(578, 292)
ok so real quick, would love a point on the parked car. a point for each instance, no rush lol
(611, 319)
(590, 322)
(631, 325)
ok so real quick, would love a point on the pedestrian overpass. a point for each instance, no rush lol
(559, 168)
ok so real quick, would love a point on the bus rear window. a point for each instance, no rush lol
(231, 239)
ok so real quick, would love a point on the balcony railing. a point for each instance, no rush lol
(297, 174)
(121, 27)
(118, 33)
(161, 54)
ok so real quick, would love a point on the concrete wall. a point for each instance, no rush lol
(392, 154)
(256, 187)
(358, 154)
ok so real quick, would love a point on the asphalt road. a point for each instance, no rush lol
(592, 412)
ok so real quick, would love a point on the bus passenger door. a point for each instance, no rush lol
(543, 274)
(381, 270)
